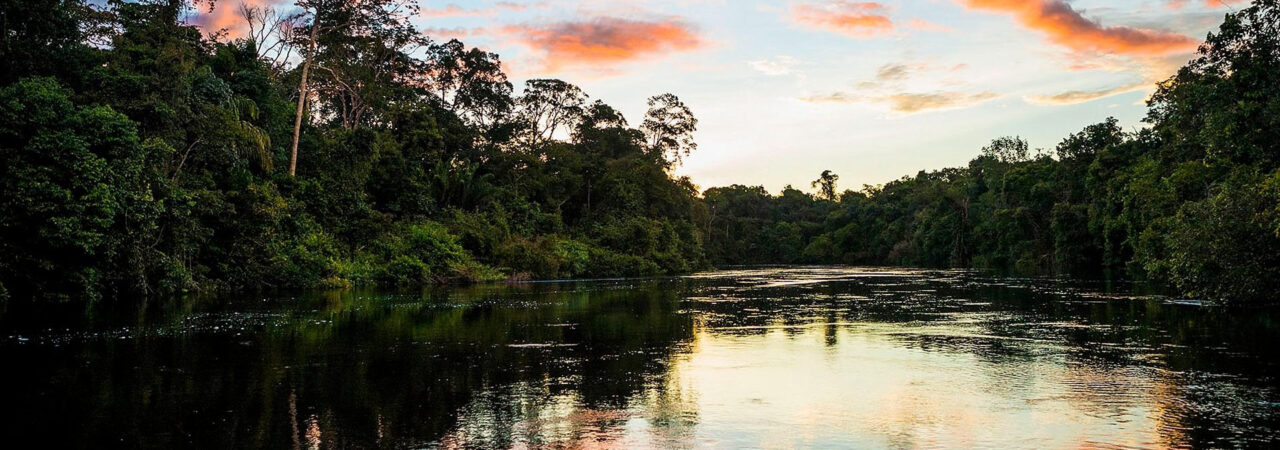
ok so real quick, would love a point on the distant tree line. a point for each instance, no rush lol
(340, 146)
(1191, 202)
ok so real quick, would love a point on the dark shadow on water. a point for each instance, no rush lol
(347, 370)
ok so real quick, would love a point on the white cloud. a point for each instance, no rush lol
(782, 65)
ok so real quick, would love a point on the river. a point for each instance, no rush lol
(815, 357)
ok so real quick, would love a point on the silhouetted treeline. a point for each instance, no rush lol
(1192, 201)
(138, 155)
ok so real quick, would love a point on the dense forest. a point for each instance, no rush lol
(340, 146)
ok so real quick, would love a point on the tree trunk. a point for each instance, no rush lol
(302, 96)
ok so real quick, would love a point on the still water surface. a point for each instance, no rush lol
(769, 358)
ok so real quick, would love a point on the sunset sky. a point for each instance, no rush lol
(872, 91)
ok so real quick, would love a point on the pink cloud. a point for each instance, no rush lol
(853, 19)
(225, 15)
(1179, 4)
(604, 40)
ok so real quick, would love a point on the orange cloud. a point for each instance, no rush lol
(1066, 27)
(605, 40)
(853, 19)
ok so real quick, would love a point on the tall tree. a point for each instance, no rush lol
(302, 94)
(826, 185)
(1224, 105)
(363, 59)
(548, 107)
(270, 32)
(1008, 149)
(669, 126)
(469, 82)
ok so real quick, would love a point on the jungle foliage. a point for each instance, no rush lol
(141, 156)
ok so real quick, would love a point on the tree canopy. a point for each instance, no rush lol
(139, 155)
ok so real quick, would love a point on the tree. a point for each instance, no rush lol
(826, 185)
(271, 33)
(1225, 104)
(302, 94)
(78, 215)
(1007, 150)
(43, 37)
(361, 50)
(1082, 147)
(155, 174)
(669, 128)
(363, 57)
(599, 116)
(550, 106)
(1224, 247)
(469, 82)
(144, 162)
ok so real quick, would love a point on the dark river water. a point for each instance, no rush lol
(769, 358)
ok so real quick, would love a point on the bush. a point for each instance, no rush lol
(532, 257)
(574, 257)
(428, 253)
(306, 261)
(470, 271)
(433, 243)
(407, 270)
(363, 268)
(607, 263)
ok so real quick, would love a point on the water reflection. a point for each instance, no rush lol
(754, 358)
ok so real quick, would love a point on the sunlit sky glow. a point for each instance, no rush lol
(870, 90)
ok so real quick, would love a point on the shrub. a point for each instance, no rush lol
(306, 261)
(607, 263)
(407, 270)
(427, 252)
